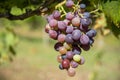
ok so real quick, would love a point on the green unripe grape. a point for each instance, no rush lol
(76, 58)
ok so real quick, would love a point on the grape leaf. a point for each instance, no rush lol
(112, 11)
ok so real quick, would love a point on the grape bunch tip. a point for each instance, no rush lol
(72, 34)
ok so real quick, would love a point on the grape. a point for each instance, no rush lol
(61, 38)
(59, 58)
(49, 18)
(76, 57)
(69, 29)
(62, 25)
(83, 6)
(85, 47)
(91, 41)
(69, 16)
(56, 14)
(53, 23)
(53, 34)
(91, 33)
(74, 64)
(76, 21)
(62, 50)
(71, 72)
(57, 46)
(67, 46)
(66, 63)
(76, 34)
(82, 60)
(83, 28)
(47, 28)
(86, 22)
(68, 38)
(67, 21)
(76, 50)
(63, 56)
(84, 39)
(61, 67)
(86, 15)
(69, 55)
(69, 3)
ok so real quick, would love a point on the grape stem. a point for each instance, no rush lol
(96, 10)
(60, 4)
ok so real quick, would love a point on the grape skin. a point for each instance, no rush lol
(56, 14)
(76, 34)
(53, 34)
(76, 21)
(84, 39)
(53, 23)
(91, 33)
(69, 3)
(68, 38)
(69, 29)
(62, 25)
(69, 16)
(61, 38)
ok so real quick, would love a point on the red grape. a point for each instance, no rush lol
(69, 3)
(66, 63)
(53, 23)
(53, 34)
(69, 16)
(76, 21)
(61, 38)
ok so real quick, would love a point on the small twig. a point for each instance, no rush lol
(95, 11)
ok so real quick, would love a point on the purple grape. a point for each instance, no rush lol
(84, 39)
(53, 23)
(86, 22)
(91, 41)
(86, 15)
(69, 3)
(82, 60)
(56, 14)
(82, 6)
(69, 29)
(69, 16)
(74, 64)
(62, 25)
(76, 50)
(57, 46)
(61, 38)
(85, 47)
(68, 38)
(49, 18)
(61, 67)
(83, 28)
(67, 22)
(69, 55)
(53, 34)
(91, 33)
(64, 56)
(76, 34)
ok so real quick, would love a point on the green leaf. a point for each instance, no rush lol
(112, 11)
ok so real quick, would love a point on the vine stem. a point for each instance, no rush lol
(96, 10)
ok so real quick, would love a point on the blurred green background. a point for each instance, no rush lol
(36, 57)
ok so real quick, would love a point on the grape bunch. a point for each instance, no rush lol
(72, 33)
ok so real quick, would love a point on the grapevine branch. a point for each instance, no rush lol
(42, 9)
(22, 16)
